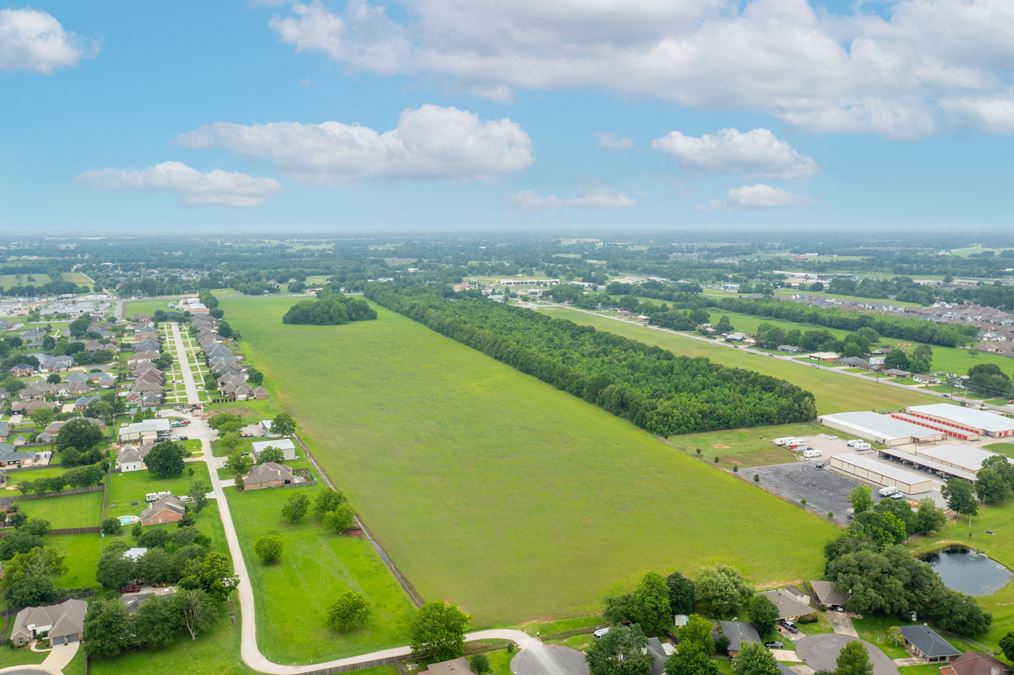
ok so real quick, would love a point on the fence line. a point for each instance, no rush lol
(61, 493)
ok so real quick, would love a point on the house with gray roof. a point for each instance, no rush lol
(268, 475)
(827, 594)
(789, 606)
(925, 643)
(55, 624)
(738, 632)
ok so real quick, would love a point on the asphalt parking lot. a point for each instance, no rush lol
(823, 490)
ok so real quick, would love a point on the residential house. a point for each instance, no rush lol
(738, 632)
(789, 606)
(9, 456)
(85, 401)
(54, 624)
(925, 643)
(458, 666)
(55, 364)
(896, 372)
(827, 594)
(168, 509)
(5, 431)
(131, 457)
(975, 663)
(855, 362)
(660, 653)
(286, 445)
(22, 370)
(268, 475)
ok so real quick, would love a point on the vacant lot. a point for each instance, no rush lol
(81, 510)
(81, 553)
(146, 307)
(834, 392)
(127, 490)
(317, 567)
(497, 491)
(745, 447)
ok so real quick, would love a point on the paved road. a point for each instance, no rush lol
(249, 651)
(193, 398)
(820, 652)
(789, 359)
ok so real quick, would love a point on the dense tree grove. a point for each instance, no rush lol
(657, 390)
(329, 309)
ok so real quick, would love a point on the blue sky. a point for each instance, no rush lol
(834, 117)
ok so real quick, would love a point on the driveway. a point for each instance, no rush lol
(820, 652)
(841, 623)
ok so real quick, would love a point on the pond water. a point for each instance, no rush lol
(969, 571)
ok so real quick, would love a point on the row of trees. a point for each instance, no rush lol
(82, 476)
(657, 390)
(329, 309)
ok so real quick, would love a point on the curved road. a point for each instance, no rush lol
(249, 651)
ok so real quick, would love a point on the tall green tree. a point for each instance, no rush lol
(682, 594)
(349, 612)
(722, 590)
(960, 496)
(854, 660)
(438, 631)
(106, 628)
(691, 659)
(165, 459)
(763, 614)
(861, 499)
(754, 659)
(621, 651)
(652, 605)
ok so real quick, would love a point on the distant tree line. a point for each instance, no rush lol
(655, 389)
(329, 309)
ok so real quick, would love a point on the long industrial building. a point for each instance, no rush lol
(960, 420)
(960, 461)
(882, 429)
(872, 470)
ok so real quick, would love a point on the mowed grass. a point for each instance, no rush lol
(495, 490)
(746, 447)
(834, 392)
(80, 510)
(145, 307)
(317, 566)
(81, 554)
(127, 488)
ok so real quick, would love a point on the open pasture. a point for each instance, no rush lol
(497, 491)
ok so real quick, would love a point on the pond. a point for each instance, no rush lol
(968, 571)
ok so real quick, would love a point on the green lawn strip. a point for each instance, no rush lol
(80, 510)
(480, 480)
(785, 292)
(81, 555)
(875, 629)
(924, 669)
(1003, 448)
(834, 392)
(14, 656)
(214, 652)
(500, 661)
(317, 566)
(746, 447)
(78, 665)
(127, 490)
(821, 625)
(144, 307)
(244, 445)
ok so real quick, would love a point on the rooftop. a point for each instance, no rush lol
(977, 419)
(882, 426)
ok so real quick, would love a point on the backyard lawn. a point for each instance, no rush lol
(497, 491)
(317, 566)
(127, 490)
(834, 392)
(80, 510)
(81, 554)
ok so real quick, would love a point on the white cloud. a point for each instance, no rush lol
(34, 41)
(611, 141)
(756, 153)
(591, 198)
(824, 72)
(994, 115)
(758, 196)
(191, 187)
(429, 142)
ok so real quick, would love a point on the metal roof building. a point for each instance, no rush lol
(885, 474)
(961, 418)
(882, 429)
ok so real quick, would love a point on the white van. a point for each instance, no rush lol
(854, 442)
(783, 440)
(888, 491)
(810, 453)
(862, 445)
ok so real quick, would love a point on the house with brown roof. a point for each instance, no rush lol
(827, 594)
(54, 624)
(975, 663)
(268, 475)
(168, 509)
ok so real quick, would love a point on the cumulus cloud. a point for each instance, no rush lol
(758, 196)
(34, 41)
(858, 71)
(611, 141)
(191, 187)
(591, 198)
(757, 153)
(994, 115)
(430, 142)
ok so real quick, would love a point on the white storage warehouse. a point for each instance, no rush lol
(882, 429)
(963, 461)
(872, 470)
(980, 422)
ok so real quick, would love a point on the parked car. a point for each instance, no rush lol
(788, 625)
(810, 453)
(774, 644)
(888, 491)
(820, 465)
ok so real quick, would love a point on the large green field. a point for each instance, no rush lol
(834, 392)
(80, 510)
(316, 567)
(499, 492)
